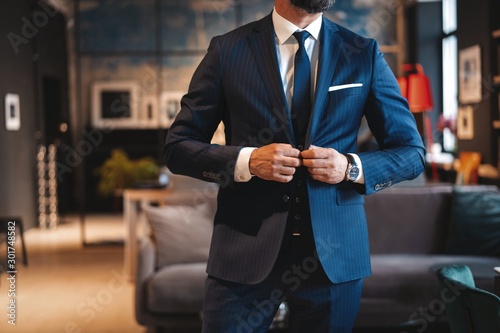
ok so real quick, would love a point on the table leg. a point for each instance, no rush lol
(130, 218)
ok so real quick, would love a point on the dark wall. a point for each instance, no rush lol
(475, 23)
(17, 148)
(22, 65)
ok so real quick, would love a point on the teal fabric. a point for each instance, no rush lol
(459, 273)
(475, 223)
(468, 309)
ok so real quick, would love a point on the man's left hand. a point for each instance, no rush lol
(325, 164)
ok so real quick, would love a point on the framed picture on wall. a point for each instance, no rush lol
(149, 112)
(469, 75)
(170, 105)
(115, 104)
(12, 112)
(465, 123)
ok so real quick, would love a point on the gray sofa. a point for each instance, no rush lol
(409, 229)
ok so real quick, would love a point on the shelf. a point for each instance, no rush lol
(496, 33)
(496, 124)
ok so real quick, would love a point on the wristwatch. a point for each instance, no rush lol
(352, 171)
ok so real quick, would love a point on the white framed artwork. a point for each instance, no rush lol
(149, 114)
(465, 123)
(170, 105)
(116, 104)
(469, 75)
(12, 112)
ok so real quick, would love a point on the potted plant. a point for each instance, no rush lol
(119, 172)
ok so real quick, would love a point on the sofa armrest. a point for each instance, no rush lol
(146, 263)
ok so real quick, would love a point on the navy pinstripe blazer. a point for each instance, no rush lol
(238, 82)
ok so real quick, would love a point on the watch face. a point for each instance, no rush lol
(353, 173)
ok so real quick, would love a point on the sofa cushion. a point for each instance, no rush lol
(182, 233)
(398, 216)
(475, 223)
(177, 289)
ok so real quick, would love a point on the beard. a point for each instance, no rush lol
(313, 6)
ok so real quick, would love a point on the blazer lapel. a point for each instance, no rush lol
(330, 49)
(262, 42)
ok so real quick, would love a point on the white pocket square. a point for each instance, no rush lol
(345, 86)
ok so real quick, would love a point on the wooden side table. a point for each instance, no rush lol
(132, 199)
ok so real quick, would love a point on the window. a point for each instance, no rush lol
(450, 70)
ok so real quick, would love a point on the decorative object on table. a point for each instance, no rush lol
(48, 215)
(468, 170)
(416, 88)
(465, 123)
(12, 112)
(469, 75)
(119, 172)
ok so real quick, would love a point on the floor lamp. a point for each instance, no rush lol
(416, 88)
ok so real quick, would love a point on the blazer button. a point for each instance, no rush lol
(300, 147)
(297, 199)
(297, 217)
(286, 198)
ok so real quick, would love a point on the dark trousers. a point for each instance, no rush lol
(316, 304)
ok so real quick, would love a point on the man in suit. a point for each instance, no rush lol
(290, 222)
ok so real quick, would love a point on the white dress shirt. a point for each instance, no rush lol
(286, 47)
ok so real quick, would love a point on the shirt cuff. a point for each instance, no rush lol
(361, 176)
(242, 170)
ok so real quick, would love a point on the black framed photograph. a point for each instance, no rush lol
(12, 112)
(469, 75)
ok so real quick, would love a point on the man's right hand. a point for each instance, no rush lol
(277, 162)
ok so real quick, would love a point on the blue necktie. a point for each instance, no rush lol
(301, 100)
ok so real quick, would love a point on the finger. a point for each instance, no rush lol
(287, 171)
(291, 152)
(315, 163)
(315, 153)
(283, 178)
(291, 162)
